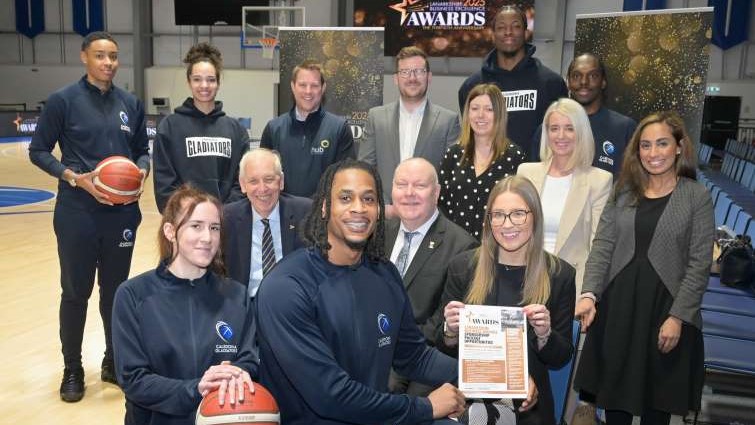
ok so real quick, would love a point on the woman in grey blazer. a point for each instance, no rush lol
(644, 281)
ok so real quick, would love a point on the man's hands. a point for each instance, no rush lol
(227, 379)
(447, 401)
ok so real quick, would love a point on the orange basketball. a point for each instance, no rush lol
(258, 408)
(119, 179)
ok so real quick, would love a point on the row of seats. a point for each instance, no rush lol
(735, 214)
(742, 150)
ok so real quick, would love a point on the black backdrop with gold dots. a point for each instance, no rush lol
(654, 61)
(353, 68)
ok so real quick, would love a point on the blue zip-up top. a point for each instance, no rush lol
(308, 147)
(329, 336)
(89, 126)
(167, 332)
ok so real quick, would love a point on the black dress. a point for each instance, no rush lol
(463, 194)
(621, 364)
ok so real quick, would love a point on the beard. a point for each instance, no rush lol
(357, 245)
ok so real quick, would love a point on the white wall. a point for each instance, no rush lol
(244, 93)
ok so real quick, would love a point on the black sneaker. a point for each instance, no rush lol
(108, 371)
(72, 386)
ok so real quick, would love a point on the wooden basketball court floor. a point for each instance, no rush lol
(31, 363)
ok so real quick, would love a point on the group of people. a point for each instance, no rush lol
(335, 273)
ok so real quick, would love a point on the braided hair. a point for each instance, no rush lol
(315, 231)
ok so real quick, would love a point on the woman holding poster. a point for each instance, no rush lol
(511, 268)
(644, 281)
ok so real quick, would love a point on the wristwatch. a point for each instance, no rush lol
(447, 332)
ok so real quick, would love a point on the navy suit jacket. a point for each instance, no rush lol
(238, 232)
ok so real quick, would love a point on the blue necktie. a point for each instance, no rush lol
(403, 255)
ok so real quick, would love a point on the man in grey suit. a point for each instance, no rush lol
(263, 228)
(411, 127)
(421, 243)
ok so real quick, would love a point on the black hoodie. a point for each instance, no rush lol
(529, 89)
(203, 149)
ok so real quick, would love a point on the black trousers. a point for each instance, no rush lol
(98, 238)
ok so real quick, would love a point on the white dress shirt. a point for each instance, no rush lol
(408, 128)
(255, 272)
(416, 240)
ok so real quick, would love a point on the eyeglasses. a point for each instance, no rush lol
(517, 217)
(417, 72)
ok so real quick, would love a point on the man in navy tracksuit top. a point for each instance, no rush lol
(334, 318)
(307, 137)
(90, 120)
(528, 86)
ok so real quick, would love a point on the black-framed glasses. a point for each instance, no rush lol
(406, 73)
(517, 217)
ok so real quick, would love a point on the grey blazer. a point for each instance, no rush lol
(380, 144)
(680, 251)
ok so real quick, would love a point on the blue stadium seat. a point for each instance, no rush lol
(732, 216)
(561, 379)
(747, 174)
(742, 223)
(722, 208)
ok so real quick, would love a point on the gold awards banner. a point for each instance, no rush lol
(655, 60)
(352, 60)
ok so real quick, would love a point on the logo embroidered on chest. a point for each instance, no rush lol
(225, 333)
(128, 239)
(384, 326)
(608, 150)
(324, 144)
(124, 122)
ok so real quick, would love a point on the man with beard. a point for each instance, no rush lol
(528, 86)
(334, 318)
(411, 127)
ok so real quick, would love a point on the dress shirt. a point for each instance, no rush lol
(416, 240)
(555, 191)
(255, 271)
(408, 127)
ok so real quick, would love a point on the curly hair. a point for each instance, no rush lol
(203, 52)
(315, 232)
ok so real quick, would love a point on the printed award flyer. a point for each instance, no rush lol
(493, 352)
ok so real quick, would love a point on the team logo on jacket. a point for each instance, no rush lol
(128, 239)
(384, 326)
(520, 100)
(608, 150)
(124, 122)
(208, 146)
(324, 144)
(225, 333)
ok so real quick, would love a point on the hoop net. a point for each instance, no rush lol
(268, 46)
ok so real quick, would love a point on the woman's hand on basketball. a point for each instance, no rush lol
(669, 334)
(585, 312)
(452, 315)
(86, 182)
(532, 396)
(539, 318)
(138, 195)
(228, 380)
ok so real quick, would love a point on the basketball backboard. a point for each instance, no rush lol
(259, 27)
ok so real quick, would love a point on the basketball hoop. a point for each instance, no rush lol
(268, 46)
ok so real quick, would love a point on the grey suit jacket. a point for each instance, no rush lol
(237, 217)
(585, 201)
(380, 144)
(680, 251)
(426, 273)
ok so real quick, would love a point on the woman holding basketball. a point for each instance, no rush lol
(199, 144)
(183, 330)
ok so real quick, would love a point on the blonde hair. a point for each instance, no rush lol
(584, 149)
(536, 287)
(500, 141)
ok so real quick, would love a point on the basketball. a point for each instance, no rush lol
(119, 179)
(258, 408)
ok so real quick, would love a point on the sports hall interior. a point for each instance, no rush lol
(151, 50)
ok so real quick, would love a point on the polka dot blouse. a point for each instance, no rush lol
(463, 194)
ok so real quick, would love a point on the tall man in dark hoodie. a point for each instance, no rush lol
(528, 86)
(307, 137)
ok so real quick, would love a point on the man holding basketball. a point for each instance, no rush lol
(91, 120)
(334, 318)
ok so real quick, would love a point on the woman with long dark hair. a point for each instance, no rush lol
(644, 282)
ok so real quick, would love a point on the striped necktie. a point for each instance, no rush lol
(268, 250)
(403, 255)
